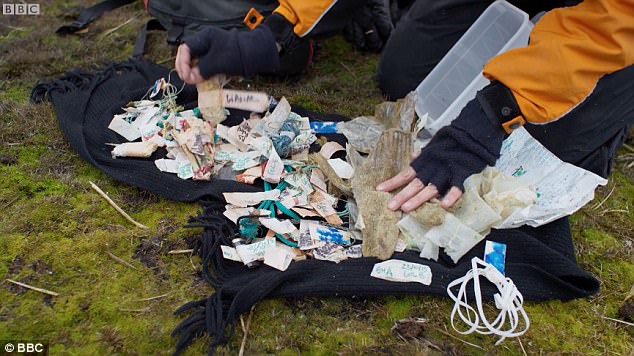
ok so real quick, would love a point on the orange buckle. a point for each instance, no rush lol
(253, 18)
(513, 124)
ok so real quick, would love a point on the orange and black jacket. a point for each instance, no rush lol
(570, 49)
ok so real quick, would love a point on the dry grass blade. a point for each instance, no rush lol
(41, 290)
(618, 321)
(180, 252)
(110, 31)
(143, 310)
(120, 260)
(116, 207)
(459, 339)
(604, 199)
(152, 298)
(246, 332)
(11, 202)
(522, 346)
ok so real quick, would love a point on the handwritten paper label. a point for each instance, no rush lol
(255, 251)
(401, 271)
(246, 100)
(274, 168)
(355, 251)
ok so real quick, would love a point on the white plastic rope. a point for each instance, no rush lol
(508, 301)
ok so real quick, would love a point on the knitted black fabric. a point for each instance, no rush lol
(234, 52)
(540, 260)
(85, 104)
(459, 150)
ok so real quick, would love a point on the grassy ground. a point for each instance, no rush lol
(56, 233)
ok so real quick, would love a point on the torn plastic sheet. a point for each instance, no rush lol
(245, 199)
(401, 271)
(380, 235)
(561, 188)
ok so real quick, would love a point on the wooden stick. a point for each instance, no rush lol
(618, 321)
(246, 332)
(522, 346)
(116, 207)
(120, 260)
(41, 290)
(180, 252)
(152, 298)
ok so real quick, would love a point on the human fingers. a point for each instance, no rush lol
(420, 198)
(410, 190)
(399, 180)
(195, 77)
(183, 62)
(451, 197)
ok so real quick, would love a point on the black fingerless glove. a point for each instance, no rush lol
(459, 150)
(234, 52)
(370, 26)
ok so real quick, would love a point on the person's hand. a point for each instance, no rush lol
(457, 151)
(370, 26)
(216, 51)
(187, 70)
(415, 193)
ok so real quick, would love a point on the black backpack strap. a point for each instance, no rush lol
(141, 38)
(90, 14)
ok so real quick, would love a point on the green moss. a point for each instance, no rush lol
(60, 225)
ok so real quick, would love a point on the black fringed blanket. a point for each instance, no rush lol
(540, 261)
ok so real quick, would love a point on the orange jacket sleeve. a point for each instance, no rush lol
(570, 49)
(303, 14)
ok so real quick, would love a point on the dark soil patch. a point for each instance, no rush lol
(626, 310)
(6, 160)
(409, 328)
(149, 252)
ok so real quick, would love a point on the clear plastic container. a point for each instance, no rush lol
(458, 76)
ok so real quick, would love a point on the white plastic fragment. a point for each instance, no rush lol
(330, 148)
(167, 165)
(342, 168)
(402, 271)
(121, 126)
(278, 258)
(142, 149)
(274, 168)
(246, 199)
(230, 253)
(254, 251)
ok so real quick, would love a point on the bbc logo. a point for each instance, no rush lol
(20, 9)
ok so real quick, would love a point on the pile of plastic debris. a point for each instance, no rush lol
(316, 205)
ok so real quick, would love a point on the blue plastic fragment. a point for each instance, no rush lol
(495, 254)
(325, 127)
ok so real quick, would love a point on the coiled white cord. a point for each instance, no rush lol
(508, 300)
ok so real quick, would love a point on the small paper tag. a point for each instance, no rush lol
(255, 251)
(230, 253)
(401, 271)
(246, 100)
